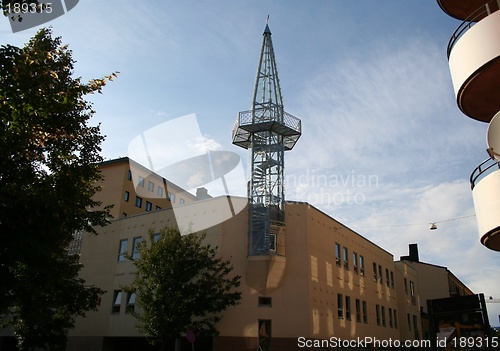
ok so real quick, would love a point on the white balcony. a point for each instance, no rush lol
(474, 59)
(485, 183)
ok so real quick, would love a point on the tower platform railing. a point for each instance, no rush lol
(250, 121)
(247, 123)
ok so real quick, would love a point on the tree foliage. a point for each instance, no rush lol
(181, 284)
(48, 171)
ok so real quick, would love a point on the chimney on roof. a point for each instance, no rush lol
(202, 194)
(413, 254)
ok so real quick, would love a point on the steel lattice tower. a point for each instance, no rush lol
(267, 131)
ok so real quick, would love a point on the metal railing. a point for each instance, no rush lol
(481, 12)
(261, 116)
(480, 171)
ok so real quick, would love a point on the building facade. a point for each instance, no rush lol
(133, 189)
(434, 282)
(332, 282)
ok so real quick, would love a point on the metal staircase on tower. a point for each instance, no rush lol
(267, 131)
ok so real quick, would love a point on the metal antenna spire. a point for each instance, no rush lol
(267, 131)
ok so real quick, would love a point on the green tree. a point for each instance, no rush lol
(48, 174)
(181, 284)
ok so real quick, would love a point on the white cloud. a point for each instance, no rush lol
(205, 144)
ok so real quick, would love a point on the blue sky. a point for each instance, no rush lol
(385, 150)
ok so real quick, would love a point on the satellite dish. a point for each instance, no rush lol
(493, 137)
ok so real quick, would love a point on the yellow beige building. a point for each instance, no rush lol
(321, 283)
(329, 283)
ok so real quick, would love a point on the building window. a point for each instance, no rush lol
(172, 198)
(141, 181)
(129, 175)
(355, 262)
(124, 215)
(395, 319)
(273, 244)
(365, 313)
(346, 258)
(392, 279)
(390, 318)
(409, 321)
(117, 301)
(340, 306)
(158, 208)
(122, 250)
(151, 186)
(337, 254)
(156, 237)
(375, 277)
(377, 313)
(159, 191)
(361, 265)
(415, 328)
(149, 206)
(138, 201)
(127, 196)
(136, 253)
(358, 310)
(265, 301)
(406, 286)
(387, 280)
(264, 335)
(383, 315)
(182, 201)
(348, 308)
(130, 302)
(412, 293)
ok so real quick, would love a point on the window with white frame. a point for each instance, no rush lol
(337, 254)
(136, 254)
(358, 310)
(117, 301)
(355, 262)
(346, 258)
(348, 308)
(130, 302)
(138, 201)
(156, 237)
(361, 265)
(122, 250)
(340, 306)
(377, 313)
(365, 312)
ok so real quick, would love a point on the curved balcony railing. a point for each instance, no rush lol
(486, 167)
(485, 10)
